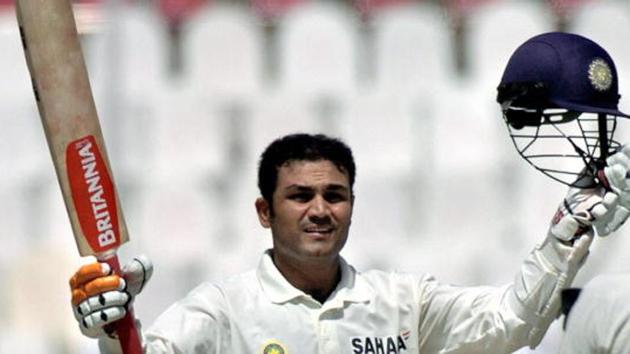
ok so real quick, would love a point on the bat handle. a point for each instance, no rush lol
(126, 327)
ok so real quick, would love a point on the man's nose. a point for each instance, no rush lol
(319, 210)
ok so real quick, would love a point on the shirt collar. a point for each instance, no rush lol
(351, 288)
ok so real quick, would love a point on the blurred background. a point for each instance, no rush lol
(189, 92)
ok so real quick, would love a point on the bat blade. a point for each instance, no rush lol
(68, 114)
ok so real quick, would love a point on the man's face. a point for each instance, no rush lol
(312, 209)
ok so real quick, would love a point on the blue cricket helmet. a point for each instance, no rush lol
(555, 78)
(561, 70)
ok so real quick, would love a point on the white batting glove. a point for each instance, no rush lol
(568, 241)
(616, 174)
(583, 208)
(566, 247)
(100, 298)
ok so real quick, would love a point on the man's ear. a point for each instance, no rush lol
(264, 212)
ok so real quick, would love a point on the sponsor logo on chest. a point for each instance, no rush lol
(380, 345)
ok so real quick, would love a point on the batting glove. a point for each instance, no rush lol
(566, 247)
(583, 208)
(100, 298)
(617, 180)
(567, 244)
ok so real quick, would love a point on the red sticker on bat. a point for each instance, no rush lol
(93, 194)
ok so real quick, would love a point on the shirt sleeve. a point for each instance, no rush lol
(195, 324)
(468, 320)
(496, 319)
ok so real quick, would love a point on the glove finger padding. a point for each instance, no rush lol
(621, 157)
(578, 255)
(100, 299)
(620, 216)
(89, 272)
(616, 176)
(137, 273)
(619, 183)
(100, 302)
(563, 255)
(605, 215)
(586, 208)
(93, 325)
(575, 214)
(565, 227)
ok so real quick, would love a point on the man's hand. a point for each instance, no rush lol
(99, 298)
(567, 245)
(583, 208)
(616, 172)
(604, 208)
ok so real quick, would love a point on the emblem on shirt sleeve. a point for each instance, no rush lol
(274, 347)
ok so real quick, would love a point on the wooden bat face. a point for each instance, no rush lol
(68, 114)
(93, 194)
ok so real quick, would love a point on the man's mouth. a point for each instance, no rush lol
(319, 230)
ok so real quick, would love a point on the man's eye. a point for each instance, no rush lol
(334, 197)
(300, 197)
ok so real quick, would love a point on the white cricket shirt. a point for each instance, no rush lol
(599, 322)
(374, 312)
(369, 313)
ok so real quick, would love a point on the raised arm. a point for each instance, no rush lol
(501, 320)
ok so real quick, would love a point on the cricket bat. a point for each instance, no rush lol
(68, 114)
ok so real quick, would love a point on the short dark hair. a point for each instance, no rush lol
(302, 147)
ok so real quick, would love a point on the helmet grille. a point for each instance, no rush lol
(564, 145)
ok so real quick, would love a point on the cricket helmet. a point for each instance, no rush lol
(555, 78)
